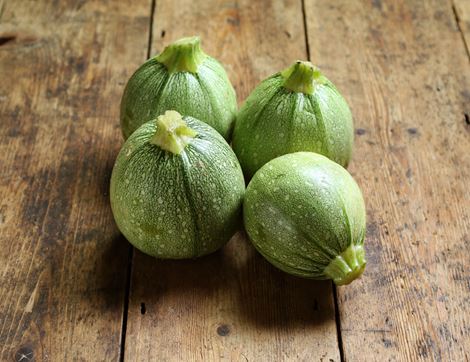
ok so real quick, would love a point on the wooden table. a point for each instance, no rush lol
(71, 287)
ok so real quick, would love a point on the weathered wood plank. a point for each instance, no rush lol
(231, 305)
(62, 260)
(404, 69)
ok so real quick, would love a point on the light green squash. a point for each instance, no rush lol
(297, 109)
(305, 214)
(181, 78)
(177, 188)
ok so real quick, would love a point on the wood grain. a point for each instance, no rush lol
(62, 260)
(404, 69)
(462, 13)
(231, 305)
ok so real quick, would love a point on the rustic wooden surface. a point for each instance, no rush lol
(462, 14)
(71, 288)
(405, 71)
(62, 260)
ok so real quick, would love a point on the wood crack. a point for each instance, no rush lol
(461, 31)
(304, 19)
(338, 323)
(125, 313)
(152, 14)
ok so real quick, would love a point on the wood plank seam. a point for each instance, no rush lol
(404, 70)
(152, 14)
(339, 335)
(131, 248)
(334, 289)
(304, 19)
(125, 309)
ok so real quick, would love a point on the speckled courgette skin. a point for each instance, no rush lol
(184, 79)
(177, 205)
(298, 109)
(305, 214)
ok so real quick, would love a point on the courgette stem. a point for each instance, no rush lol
(173, 134)
(184, 55)
(347, 266)
(301, 77)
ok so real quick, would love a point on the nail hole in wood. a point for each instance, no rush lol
(162, 35)
(24, 354)
(467, 119)
(142, 308)
(409, 173)
(223, 330)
